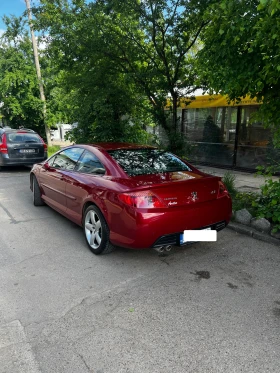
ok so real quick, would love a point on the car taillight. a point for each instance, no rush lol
(3, 145)
(145, 199)
(45, 145)
(222, 189)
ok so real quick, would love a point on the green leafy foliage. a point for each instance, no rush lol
(270, 170)
(123, 56)
(241, 54)
(19, 89)
(19, 93)
(267, 205)
(245, 200)
(178, 145)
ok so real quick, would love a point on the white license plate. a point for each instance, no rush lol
(205, 235)
(27, 150)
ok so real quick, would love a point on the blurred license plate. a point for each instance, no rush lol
(206, 235)
(27, 150)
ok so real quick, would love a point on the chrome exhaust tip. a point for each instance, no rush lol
(159, 249)
(163, 249)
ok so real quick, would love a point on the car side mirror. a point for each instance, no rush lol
(46, 166)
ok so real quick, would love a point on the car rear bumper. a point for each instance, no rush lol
(176, 238)
(146, 229)
(5, 160)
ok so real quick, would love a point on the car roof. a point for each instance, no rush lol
(120, 145)
(16, 130)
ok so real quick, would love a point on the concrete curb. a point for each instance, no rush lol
(249, 231)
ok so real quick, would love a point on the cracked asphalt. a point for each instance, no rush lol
(208, 307)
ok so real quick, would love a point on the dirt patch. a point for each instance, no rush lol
(202, 274)
(230, 285)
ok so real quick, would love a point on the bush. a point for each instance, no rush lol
(245, 200)
(261, 205)
(264, 205)
(267, 205)
(177, 144)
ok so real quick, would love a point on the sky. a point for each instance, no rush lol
(8, 7)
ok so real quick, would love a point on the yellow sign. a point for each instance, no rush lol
(208, 101)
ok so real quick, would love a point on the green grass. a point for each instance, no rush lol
(53, 149)
(229, 181)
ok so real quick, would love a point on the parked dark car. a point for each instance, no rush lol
(127, 195)
(21, 147)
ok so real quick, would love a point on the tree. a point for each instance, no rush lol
(241, 54)
(104, 104)
(38, 71)
(19, 92)
(150, 44)
(102, 100)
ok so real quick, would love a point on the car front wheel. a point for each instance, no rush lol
(96, 231)
(37, 200)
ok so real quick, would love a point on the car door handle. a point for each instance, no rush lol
(60, 177)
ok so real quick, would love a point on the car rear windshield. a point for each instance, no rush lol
(147, 161)
(21, 137)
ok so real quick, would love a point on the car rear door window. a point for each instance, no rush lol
(67, 159)
(90, 164)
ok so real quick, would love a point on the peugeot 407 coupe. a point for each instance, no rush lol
(128, 195)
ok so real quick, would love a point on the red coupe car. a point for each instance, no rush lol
(128, 195)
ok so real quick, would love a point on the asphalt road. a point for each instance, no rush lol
(208, 307)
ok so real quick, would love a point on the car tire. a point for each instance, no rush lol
(37, 200)
(96, 231)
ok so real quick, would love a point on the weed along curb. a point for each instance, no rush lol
(255, 214)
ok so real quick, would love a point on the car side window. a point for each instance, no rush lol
(90, 164)
(51, 160)
(67, 159)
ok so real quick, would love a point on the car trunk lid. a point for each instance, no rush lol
(180, 188)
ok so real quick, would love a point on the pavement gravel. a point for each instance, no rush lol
(207, 307)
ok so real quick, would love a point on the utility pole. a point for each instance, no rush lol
(38, 70)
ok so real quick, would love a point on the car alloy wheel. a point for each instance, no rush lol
(96, 231)
(93, 229)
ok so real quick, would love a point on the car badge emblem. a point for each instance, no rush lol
(194, 196)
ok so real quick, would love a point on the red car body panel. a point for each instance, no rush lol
(69, 192)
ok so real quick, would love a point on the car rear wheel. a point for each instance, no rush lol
(37, 200)
(96, 231)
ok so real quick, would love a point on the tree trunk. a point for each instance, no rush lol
(174, 136)
(174, 112)
(38, 70)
